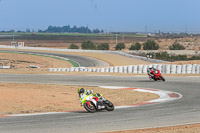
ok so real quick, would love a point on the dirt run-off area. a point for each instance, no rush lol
(17, 98)
(24, 61)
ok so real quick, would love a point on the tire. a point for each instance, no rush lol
(155, 79)
(90, 108)
(163, 79)
(109, 106)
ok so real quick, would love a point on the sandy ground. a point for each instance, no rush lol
(185, 62)
(112, 59)
(34, 98)
(22, 61)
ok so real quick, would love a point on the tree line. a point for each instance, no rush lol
(69, 29)
(148, 45)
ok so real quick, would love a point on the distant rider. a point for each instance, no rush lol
(151, 72)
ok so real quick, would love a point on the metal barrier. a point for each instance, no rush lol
(164, 68)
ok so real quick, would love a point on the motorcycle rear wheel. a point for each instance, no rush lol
(109, 106)
(90, 108)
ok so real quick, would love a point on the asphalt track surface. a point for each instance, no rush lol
(83, 61)
(182, 111)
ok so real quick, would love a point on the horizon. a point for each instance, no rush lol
(111, 16)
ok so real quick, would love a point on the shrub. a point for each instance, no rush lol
(176, 46)
(88, 45)
(120, 46)
(150, 45)
(162, 55)
(73, 46)
(137, 46)
(166, 56)
(103, 46)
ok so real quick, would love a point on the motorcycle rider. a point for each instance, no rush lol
(84, 93)
(150, 72)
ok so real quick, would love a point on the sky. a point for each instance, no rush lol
(109, 15)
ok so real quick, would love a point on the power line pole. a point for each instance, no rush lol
(116, 39)
(185, 29)
(87, 28)
(145, 29)
(15, 51)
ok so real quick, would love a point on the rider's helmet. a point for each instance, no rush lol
(81, 90)
(150, 68)
(98, 95)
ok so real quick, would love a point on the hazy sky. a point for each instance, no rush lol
(110, 15)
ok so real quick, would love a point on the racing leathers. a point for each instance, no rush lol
(150, 72)
(87, 93)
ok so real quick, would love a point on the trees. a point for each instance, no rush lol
(136, 46)
(73, 46)
(103, 46)
(176, 46)
(74, 29)
(88, 45)
(120, 46)
(150, 45)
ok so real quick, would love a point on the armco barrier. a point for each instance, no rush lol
(188, 68)
(106, 69)
(140, 67)
(198, 69)
(159, 67)
(116, 69)
(144, 70)
(194, 68)
(173, 69)
(165, 68)
(135, 67)
(125, 69)
(183, 69)
(155, 66)
(120, 69)
(111, 69)
(178, 69)
(130, 69)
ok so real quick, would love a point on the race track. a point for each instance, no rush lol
(183, 111)
(83, 61)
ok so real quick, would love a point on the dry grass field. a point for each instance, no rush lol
(190, 42)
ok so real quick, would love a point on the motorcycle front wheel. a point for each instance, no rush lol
(163, 79)
(90, 108)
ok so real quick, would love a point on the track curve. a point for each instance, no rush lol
(183, 111)
(83, 61)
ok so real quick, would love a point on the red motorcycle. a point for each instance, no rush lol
(156, 75)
